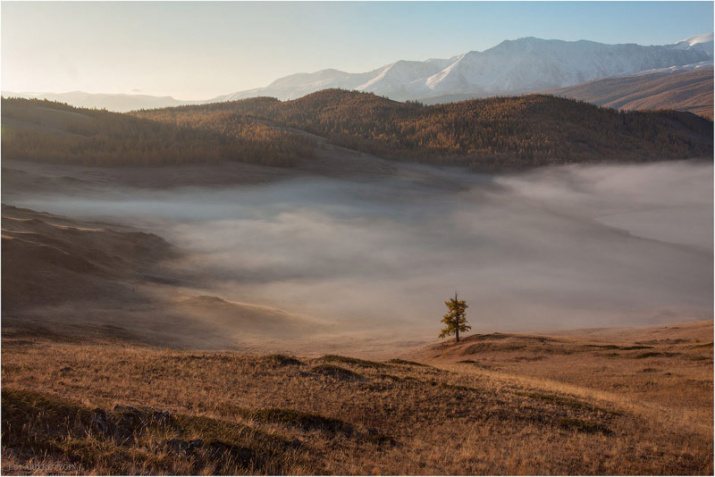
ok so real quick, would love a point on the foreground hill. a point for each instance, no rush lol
(488, 134)
(95, 406)
(689, 90)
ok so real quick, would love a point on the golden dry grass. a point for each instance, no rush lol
(690, 91)
(665, 372)
(515, 404)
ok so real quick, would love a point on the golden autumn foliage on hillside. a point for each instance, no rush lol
(47, 131)
(489, 133)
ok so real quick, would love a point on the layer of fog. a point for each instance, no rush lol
(564, 247)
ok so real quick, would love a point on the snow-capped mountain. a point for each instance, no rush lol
(512, 67)
(699, 42)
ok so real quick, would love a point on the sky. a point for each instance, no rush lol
(199, 50)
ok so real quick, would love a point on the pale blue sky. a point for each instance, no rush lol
(197, 50)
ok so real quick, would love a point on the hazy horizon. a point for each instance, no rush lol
(200, 50)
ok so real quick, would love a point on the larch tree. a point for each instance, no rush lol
(456, 319)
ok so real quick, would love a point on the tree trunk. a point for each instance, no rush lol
(457, 332)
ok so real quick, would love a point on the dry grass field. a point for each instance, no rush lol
(619, 401)
(101, 374)
(690, 91)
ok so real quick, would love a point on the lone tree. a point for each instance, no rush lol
(456, 319)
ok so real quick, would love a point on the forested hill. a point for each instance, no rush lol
(488, 134)
(46, 131)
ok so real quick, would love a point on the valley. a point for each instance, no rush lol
(312, 259)
(254, 285)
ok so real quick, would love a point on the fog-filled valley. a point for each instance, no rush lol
(357, 238)
(569, 247)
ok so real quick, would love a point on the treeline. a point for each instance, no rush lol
(40, 130)
(267, 143)
(487, 134)
(490, 134)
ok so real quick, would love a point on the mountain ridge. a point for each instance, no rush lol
(494, 134)
(520, 66)
(505, 133)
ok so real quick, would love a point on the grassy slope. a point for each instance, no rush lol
(123, 282)
(492, 413)
(690, 91)
(50, 259)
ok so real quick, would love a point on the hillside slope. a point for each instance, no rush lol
(97, 407)
(690, 90)
(122, 280)
(488, 134)
(45, 131)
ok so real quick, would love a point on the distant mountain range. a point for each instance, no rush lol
(121, 103)
(510, 68)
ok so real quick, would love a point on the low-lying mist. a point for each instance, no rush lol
(562, 247)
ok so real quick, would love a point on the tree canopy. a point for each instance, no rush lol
(456, 319)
